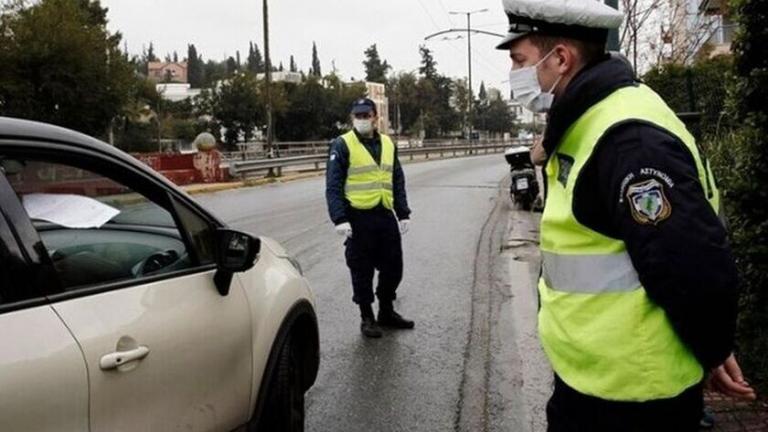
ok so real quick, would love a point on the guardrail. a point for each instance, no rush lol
(249, 167)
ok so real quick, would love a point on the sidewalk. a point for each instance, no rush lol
(737, 416)
(201, 188)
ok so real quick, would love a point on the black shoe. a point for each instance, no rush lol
(392, 319)
(369, 328)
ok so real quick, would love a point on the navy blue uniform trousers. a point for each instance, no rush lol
(375, 245)
(571, 411)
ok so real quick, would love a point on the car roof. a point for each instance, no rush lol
(39, 133)
(14, 128)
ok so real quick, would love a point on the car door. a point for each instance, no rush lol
(43, 377)
(164, 350)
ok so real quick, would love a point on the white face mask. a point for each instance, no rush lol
(526, 90)
(364, 126)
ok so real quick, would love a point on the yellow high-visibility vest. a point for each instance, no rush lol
(601, 332)
(369, 184)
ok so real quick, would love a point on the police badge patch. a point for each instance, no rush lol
(648, 202)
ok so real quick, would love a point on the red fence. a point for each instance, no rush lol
(183, 169)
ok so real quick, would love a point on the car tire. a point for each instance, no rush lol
(284, 410)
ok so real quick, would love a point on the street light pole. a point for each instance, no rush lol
(268, 81)
(613, 35)
(469, 64)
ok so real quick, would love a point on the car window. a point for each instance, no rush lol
(95, 229)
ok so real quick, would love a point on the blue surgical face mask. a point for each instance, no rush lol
(526, 90)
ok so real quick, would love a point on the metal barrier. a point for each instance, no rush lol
(250, 167)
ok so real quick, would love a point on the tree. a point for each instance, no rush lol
(150, 56)
(462, 100)
(237, 107)
(292, 66)
(195, 67)
(281, 68)
(175, 57)
(213, 72)
(428, 64)
(404, 107)
(657, 32)
(255, 61)
(315, 62)
(482, 95)
(497, 118)
(231, 67)
(375, 69)
(62, 66)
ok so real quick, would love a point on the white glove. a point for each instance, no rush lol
(404, 223)
(344, 230)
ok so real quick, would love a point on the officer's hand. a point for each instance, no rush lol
(344, 230)
(404, 223)
(728, 379)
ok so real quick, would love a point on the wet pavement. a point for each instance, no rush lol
(471, 363)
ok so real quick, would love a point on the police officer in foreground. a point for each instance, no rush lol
(365, 192)
(638, 288)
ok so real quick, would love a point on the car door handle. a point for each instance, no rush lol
(119, 358)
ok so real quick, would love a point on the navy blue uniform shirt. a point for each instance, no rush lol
(684, 261)
(336, 178)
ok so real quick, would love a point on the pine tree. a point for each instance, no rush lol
(195, 67)
(482, 94)
(151, 57)
(280, 69)
(175, 57)
(428, 64)
(255, 61)
(292, 66)
(315, 62)
(375, 69)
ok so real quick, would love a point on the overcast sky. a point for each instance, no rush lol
(342, 29)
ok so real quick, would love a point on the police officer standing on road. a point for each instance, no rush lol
(365, 192)
(638, 288)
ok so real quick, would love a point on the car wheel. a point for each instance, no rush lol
(284, 410)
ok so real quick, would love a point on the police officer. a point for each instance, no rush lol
(365, 192)
(638, 288)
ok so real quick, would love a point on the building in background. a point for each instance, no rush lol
(176, 92)
(168, 72)
(378, 94)
(723, 26)
(285, 76)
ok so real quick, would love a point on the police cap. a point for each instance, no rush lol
(587, 20)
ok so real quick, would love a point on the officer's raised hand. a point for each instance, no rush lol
(344, 230)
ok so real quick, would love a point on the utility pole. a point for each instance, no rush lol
(469, 30)
(268, 83)
(613, 34)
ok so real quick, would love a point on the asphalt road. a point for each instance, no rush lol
(441, 376)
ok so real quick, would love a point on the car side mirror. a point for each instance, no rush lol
(235, 252)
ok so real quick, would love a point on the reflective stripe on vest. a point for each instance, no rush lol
(589, 274)
(600, 330)
(369, 184)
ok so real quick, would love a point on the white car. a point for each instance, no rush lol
(125, 306)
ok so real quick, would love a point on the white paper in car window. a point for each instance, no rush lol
(71, 211)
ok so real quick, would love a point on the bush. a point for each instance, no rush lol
(742, 180)
(740, 158)
(701, 88)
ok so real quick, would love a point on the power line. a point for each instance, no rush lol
(448, 15)
(426, 11)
